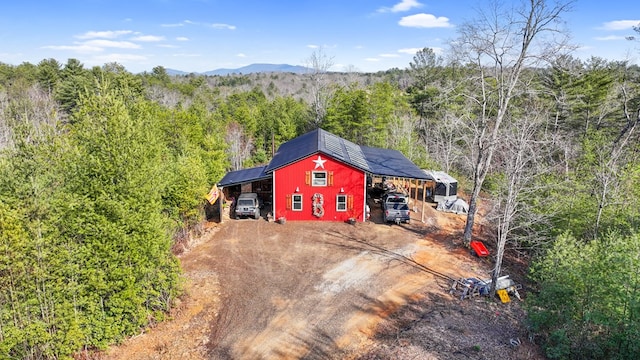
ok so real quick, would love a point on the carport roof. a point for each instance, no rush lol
(387, 162)
(244, 176)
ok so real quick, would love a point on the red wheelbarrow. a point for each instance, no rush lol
(479, 248)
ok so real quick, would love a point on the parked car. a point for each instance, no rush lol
(395, 207)
(248, 204)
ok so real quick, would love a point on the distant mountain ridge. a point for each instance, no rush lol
(249, 69)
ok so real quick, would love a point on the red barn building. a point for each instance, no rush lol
(320, 176)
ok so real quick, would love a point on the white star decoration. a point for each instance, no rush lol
(319, 162)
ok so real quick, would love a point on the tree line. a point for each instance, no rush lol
(103, 172)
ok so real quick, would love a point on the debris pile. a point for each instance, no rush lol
(466, 288)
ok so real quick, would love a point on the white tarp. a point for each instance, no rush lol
(457, 206)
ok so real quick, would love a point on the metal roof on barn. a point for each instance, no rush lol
(319, 141)
(376, 161)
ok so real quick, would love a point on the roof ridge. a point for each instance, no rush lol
(319, 131)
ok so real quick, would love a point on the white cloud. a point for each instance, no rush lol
(610, 38)
(389, 55)
(312, 46)
(98, 41)
(182, 38)
(168, 46)
(424, 21)
(103, 34)
(223, 26)
(81, 48)
(102, 43)
(241, 55)
(413, 51)
(403, 5)
(372, 59)
(196, 23)
(410, 51)
(148, 38)
(620, 24)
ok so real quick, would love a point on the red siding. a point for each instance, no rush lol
(347, 181)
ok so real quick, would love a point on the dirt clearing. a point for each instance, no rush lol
(262, 290)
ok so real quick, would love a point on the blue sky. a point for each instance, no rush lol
(202, 35)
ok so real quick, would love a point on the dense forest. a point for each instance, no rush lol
(102, 171)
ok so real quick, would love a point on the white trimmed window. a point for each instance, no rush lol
(341, 203)
(319, 178)
(296, 201)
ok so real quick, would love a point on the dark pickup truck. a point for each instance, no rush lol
(395, 207)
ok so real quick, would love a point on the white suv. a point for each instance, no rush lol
(248, 204)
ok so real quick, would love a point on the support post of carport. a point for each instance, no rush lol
(424, 198)
(416, 191)
(220, 201)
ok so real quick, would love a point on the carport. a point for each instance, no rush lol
(393, 166)
(247, 180)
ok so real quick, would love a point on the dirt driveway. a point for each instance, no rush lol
(315, 289)
(262, 290)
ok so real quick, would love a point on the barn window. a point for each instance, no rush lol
(319, 178)
(341, 203)
(297, 202)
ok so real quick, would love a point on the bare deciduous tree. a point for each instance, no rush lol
(401, 135)
(240, 145)
(521, 153)
(319, 64)
(637, 30)
(612, 159)
(498, 46)
(443, 138)
(6, 134)
(33, 110)
(351, 75)
(166, 97)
